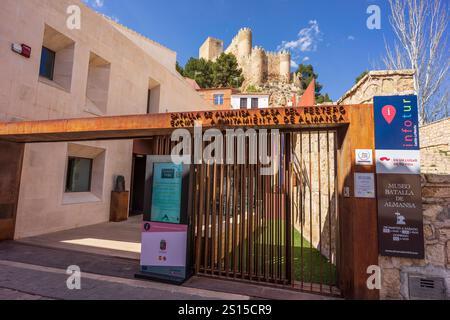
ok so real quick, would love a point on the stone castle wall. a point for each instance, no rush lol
(258, 66)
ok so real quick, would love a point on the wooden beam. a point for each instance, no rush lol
(140, 126)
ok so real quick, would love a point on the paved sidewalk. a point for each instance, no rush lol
(8, 294)
(38, 281)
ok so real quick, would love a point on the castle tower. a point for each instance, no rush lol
(258, 61)
(244, 38)
(211, 49)
(285, 66)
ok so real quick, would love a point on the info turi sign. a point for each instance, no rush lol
(400, 219)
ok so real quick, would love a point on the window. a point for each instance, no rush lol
(57, 59)
(47, 63)
(154, 91)
(254, 103)
(97, 84)
(79, 172)
(243, 103)
(218, 99)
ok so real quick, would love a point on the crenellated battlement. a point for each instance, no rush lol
(258, 65)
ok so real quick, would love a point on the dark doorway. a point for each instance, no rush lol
(138, 185)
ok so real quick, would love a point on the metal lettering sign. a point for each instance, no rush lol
(400, 220)
(396, 123)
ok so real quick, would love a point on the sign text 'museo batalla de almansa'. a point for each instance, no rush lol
(400, 220)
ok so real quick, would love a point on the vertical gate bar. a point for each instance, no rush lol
(281, 213)
(207, 212)
(265, 236)
(274, 243)
(199, 221)
(194, 218)
(214, 220)
(271, 220)
(287, 211)
(250, 217)
(257, 219)
(278, 210)
(302, 212)
(336, 207)
(291, 168)
(310, 211)
(242, 219)
(320, 208)
(240, 236)
(220, 221)
(234, 233)
(329, 212)
(167, 146)
(227, 223)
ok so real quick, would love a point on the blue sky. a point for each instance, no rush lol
(335, 38)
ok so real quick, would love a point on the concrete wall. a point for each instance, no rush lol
(43, 206)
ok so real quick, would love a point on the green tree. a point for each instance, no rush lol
(307, 74)
(361, 76)
(201, 71)
(179, 68)
(226, 72)
(323, 98)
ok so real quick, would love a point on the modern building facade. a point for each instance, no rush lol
(100, 69)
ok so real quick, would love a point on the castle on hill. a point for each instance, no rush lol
(258, 66)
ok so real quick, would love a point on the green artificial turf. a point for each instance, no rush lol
(309, 264)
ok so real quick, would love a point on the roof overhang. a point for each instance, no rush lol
(142, 126)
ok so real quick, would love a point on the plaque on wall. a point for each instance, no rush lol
(400, 221)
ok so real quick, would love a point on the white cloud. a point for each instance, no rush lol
(307, 39)
(294, 64)
(351, 38)
(305, 59)
(95, 3)
(98, 3)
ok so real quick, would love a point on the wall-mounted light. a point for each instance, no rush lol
(22, 49)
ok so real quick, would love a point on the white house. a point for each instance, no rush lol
(249, 101)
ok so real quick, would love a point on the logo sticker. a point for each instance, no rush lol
(389, 113)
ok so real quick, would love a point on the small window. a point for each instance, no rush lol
(243, 103)
(254, 103)
(218, 99)
(47, 63)
(79, 172)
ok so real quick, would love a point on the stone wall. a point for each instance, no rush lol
(436, 205)
(258, 66)
(435, 147)
(379, 83)
(315, 215)
(211, 49)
